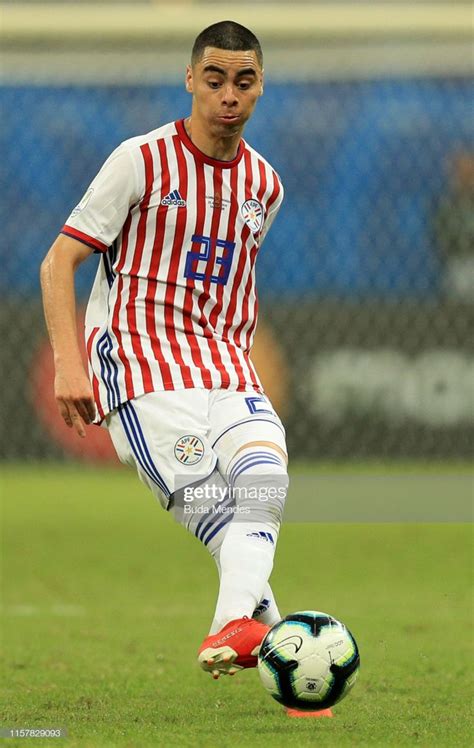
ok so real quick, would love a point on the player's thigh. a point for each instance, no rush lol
(240, 420)
(165, 436)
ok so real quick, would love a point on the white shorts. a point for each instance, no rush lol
(177, 438)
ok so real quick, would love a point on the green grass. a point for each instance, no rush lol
(105, 602)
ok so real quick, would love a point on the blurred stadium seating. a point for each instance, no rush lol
(366, 281)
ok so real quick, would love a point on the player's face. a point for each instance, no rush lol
(225, 87)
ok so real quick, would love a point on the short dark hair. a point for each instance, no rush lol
(226, 35)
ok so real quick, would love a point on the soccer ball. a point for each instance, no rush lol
(308, 661)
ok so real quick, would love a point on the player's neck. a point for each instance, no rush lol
(223, 149)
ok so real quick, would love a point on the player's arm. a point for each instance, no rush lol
(72, 388)
(94, 224)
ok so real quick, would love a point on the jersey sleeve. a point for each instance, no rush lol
(99, 216)
(272, 212)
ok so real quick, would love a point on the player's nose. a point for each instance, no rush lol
(229, 95)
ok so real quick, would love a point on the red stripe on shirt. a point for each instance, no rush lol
(84, 238)
(198, 229)
(95, 382)
(124, 243)
(137, 257)
(205, 294)
(115, 316)
(254, 315)
(187, 309)
(118, 335)
(220, 290)
(141, 229)
(231, 230)
(214, 233)
(248, 287)
(261, 193)
(243, 253)
(275, 193)
(156, 254)
(173, 268)
(250, 253)
(135, 335)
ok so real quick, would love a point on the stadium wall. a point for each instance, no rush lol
(370, 297)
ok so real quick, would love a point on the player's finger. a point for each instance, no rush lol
(90, 406)
(63, 409)
(81, 408)
(76, 421)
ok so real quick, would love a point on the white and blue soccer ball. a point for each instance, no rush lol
(308, 661)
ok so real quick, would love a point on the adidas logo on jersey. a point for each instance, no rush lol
(174, 198)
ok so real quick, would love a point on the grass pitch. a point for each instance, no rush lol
(105, 602)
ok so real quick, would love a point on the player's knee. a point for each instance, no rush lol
(270, 444)
(258, 480)
(258, 458)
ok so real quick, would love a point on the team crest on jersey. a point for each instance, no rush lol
(252, 213)
(189, 450)
(82, 204)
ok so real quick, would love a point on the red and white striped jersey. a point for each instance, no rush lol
(174, 303)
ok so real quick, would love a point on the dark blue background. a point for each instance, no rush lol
(363, 166)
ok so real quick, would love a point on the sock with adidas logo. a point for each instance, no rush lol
(258, 479)
(210, 527)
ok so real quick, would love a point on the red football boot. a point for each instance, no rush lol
(234, 647)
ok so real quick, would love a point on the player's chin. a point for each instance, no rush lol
(226, 128)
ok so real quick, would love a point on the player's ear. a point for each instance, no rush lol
(261, 84)
(189, 79)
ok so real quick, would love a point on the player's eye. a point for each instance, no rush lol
(213, 84)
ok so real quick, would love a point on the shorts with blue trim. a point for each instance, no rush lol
(176, 439)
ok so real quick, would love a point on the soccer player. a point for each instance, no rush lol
(179, 216)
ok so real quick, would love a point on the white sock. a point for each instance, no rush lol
(246, 564)
(248, 548)
(244, 590)
(266, 611)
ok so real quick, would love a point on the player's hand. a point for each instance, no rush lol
(73, 393)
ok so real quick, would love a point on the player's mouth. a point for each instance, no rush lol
(229, 118)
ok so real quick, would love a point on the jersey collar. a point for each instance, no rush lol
(184, 137)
